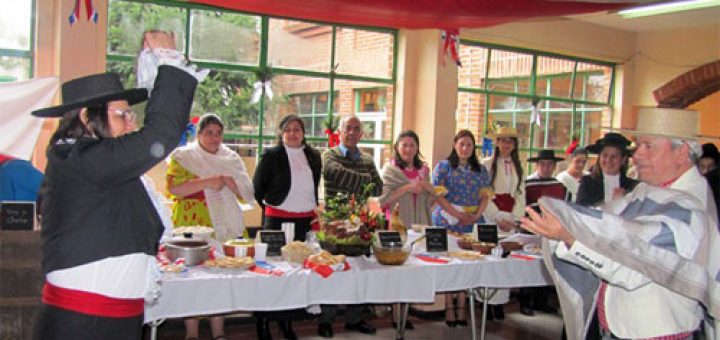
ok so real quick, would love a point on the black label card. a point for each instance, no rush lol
(386, 237)
(487, 233)
(275, 240)
(436, 239)
(17, 215)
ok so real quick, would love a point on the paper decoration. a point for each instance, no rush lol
(90, 11)
(451, 44)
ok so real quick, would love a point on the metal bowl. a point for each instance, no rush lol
(193, 251)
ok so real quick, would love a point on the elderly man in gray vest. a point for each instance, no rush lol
(647, 263)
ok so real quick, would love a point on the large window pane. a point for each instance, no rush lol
(304, 96)
(510, 71)
(299, 44)
(15, 24)
(554, 77)
(228, 94)
(508, 111)
(128, 20)
(557, 121)
(363, 53)
(474, 65)
(590, 119)
(14, 69)
(592, 82)
(371, 102)
(240, 34)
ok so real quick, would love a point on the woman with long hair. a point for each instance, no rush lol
(570, 178)
(286, 186)
(463, 205)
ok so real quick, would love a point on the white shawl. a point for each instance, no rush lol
(225, 211)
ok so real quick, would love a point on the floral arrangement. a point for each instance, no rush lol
(347, 219)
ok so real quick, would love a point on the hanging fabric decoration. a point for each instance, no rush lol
(263, 85)
(190, 131)
(573, 145)
(90, 11)
(451, 43)
(487, 147)
(535, 116)
(331, 125)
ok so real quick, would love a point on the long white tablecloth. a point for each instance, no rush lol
(202, 291)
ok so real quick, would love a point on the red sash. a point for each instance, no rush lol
(504, 202)
(91, 303)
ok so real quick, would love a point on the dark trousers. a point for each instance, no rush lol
(353, 314)
(56, 323)
(302, 225)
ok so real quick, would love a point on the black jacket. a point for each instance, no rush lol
(272, 176)
(592, 190)
(94, 204)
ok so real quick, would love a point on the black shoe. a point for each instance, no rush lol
(361, 327)
(408, 325)
(263, 329)
(325, 330)
(499, 312)
(526, 310)
(452, 324)
(489, 315)
(287, 331)
(461, 323)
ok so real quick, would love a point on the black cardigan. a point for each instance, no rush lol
(592, 189)
(272, 175)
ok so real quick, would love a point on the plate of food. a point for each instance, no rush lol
(467, 255)
(230, 263)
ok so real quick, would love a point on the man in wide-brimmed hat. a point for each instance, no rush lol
(650, 259)
(546, 163)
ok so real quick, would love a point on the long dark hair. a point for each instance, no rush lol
(287, 120)
(454, 159)
(515, 157)
(417, 162)
(71, 126)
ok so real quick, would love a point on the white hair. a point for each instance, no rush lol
(344, 120)
(694, 148)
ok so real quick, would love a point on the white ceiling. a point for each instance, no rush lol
(685, 19)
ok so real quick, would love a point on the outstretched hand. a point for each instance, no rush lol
(159, 39)
(546, 225)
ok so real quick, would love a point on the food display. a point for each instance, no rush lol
(296, 252)
(200, 232)
(467, 255)
(193, 251)
(393, 256)
(467, 242)
(325, 258)
(347, 224)
(511, 245)
(239, 248)
(231, 263)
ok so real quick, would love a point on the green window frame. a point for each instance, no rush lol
(565, 96)
(263, 66)
(10, 57)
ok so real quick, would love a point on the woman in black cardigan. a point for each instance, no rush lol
(608, 178)
(286, 186)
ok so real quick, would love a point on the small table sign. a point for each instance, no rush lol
(387, 237)
(436, 239)
(275, 239)
(17, 215)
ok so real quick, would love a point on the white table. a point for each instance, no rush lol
(201, 291)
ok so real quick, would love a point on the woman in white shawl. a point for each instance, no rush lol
(206, 181)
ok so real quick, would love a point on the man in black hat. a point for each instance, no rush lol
(100, 229)
(546, 164)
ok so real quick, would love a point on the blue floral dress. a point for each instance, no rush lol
(464, 187)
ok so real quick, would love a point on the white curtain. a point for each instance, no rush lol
(19, 130)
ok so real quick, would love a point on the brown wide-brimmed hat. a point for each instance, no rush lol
(613, 139)
(545, 155)
(92, 90)
(666, 122)
(504, 132)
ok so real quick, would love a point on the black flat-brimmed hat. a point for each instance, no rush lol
(613, 139)
(545, 155)
(92, 90)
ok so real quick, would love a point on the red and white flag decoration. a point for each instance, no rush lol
(451, 43)
(90, 10)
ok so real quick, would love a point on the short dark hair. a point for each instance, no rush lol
(287, 120)
(207, 119)
(417, 159)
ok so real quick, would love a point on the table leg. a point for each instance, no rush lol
(402, 317)
(153, 328)
(485, 295)
(471, 294)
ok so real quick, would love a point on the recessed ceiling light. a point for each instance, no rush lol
(667, 7)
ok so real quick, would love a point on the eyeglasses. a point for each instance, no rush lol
(127, 114)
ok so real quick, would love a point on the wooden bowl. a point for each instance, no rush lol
(511, 246)
(483, 247)
(466, 244)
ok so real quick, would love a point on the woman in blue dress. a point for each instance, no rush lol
(463, 205)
